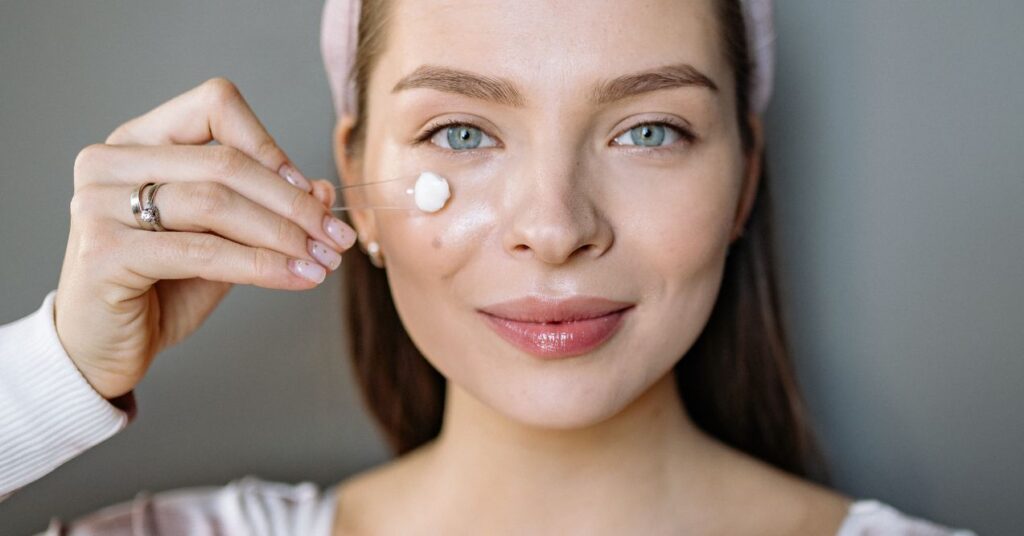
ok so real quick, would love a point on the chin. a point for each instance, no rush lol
(567, 399)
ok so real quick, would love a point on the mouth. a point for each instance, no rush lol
(549, 328)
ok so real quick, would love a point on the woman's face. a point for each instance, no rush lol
(568, 183)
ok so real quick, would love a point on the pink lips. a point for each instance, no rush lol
(556, 328)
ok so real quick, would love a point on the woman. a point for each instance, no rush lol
(584, 339)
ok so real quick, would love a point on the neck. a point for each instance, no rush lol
(648, 457)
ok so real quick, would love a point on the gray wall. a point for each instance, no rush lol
(894, 140)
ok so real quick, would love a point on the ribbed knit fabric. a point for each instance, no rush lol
(49, 414)
(48, 411)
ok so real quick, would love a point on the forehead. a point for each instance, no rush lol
(553, 44)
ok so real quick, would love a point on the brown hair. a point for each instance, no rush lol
(737, 381)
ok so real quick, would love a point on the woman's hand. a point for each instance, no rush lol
(126, 293)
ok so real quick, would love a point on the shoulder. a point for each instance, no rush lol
(367, 501)
(794, 505)
(248, 505)
(867, 517)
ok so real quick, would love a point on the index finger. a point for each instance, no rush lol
(212, 111)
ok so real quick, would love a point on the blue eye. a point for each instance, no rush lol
(459, 137)
(650, 135)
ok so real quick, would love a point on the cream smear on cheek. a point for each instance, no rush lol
(431, 192)
(465, 220)
(466, 217)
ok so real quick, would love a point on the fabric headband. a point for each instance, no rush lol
(339, 32)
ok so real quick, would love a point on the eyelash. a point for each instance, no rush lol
(684, 133)
(435, 127)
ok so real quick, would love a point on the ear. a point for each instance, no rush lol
(350, 172)
(751, 179)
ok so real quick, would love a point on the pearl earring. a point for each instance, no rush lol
(373, 250)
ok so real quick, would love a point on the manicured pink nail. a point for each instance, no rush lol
(323, 254)
(293, 176)
(303, 268)
(339, 231)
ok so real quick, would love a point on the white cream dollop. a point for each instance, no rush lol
(431, 192)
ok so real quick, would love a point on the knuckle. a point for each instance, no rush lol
(289, 233)
(300, 205)
(94, 242)
(226, 161)
(269, 152)
(220, 90)
(261, 264)
(87, 159)
(84, 202)
(200, 248)
(210, 198)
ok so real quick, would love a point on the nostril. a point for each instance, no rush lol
(522, 252)
(588, 250)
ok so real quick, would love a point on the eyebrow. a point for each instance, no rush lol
(503, 91)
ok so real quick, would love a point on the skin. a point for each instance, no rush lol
(126, 293)
(527, 445)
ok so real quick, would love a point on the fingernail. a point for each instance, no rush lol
(339, 231)
(293, 176)
(303, 268)
(323, 254)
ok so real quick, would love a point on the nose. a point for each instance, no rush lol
(554, 213)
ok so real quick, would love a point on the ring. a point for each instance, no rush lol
(146, 215)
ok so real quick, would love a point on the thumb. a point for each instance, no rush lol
(323, 190)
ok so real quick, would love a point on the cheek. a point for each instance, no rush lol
(417, 264)
(427, 258)
(688, 230)
(687, 218)
(438, 244)
(680, 247)
(436, 247)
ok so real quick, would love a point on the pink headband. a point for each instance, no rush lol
(339, 30)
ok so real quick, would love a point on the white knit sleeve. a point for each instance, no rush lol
(49, 413)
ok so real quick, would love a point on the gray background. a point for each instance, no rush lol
(895, 141)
